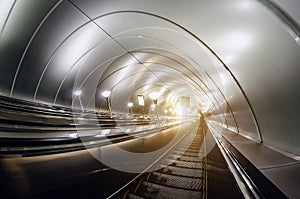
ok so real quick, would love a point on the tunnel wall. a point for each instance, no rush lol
(254, 54)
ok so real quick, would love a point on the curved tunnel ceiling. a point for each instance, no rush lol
(236, 60)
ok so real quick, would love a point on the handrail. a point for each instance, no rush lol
(244, 182)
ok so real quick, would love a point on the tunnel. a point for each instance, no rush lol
(149, 99)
